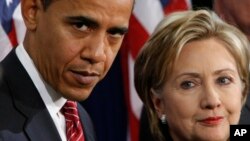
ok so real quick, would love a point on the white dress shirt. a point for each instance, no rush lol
(53, 100)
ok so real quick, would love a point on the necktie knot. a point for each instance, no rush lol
(74, 130)
(70, 112)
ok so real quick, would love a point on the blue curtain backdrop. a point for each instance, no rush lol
(106, 106)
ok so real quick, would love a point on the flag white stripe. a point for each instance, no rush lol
(148, 13)
(19, 24)
(135, 101)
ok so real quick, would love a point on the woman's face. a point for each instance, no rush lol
(203, 95)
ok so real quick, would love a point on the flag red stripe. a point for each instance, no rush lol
(175, 5)
(137, 35)
(133, 42)
(12, 35)
(132, 121)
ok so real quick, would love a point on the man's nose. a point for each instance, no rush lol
(94, 49)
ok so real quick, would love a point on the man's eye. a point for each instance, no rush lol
(187, 85)
(224, 80)
(80, 26)
(117, 33)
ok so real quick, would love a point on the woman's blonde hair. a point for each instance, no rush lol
(155, 61)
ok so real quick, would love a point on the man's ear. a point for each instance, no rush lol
(158, 102)
(30, 12)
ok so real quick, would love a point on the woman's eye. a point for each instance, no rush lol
(80, 26)
(224, 80)
(187, 85)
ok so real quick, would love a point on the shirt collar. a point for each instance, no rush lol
(52, 99)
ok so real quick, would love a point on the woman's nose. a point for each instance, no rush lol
(210, 97)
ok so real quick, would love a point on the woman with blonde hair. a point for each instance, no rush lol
(193, 77)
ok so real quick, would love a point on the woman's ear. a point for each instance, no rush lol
(158, 102)
(30, 12)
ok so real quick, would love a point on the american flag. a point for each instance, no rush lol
(12, 27)
(146, 15)
(118, 119)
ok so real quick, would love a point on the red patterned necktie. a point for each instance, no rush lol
(74, 130)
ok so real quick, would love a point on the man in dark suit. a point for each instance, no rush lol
(68, 48)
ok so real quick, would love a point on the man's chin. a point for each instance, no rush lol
(79, 95)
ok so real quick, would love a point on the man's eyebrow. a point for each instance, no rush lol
(93, 23)
(84, 19)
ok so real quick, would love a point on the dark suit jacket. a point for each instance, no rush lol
(23, 115)
(245, 113)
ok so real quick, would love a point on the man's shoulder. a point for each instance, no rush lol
(84, 115)
(10, 119)
(87, 123)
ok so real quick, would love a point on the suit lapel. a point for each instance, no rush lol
(39, 125)
(87, 124)
(41, 128)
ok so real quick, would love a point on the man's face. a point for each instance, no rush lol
(76, 41)
(235, 13)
